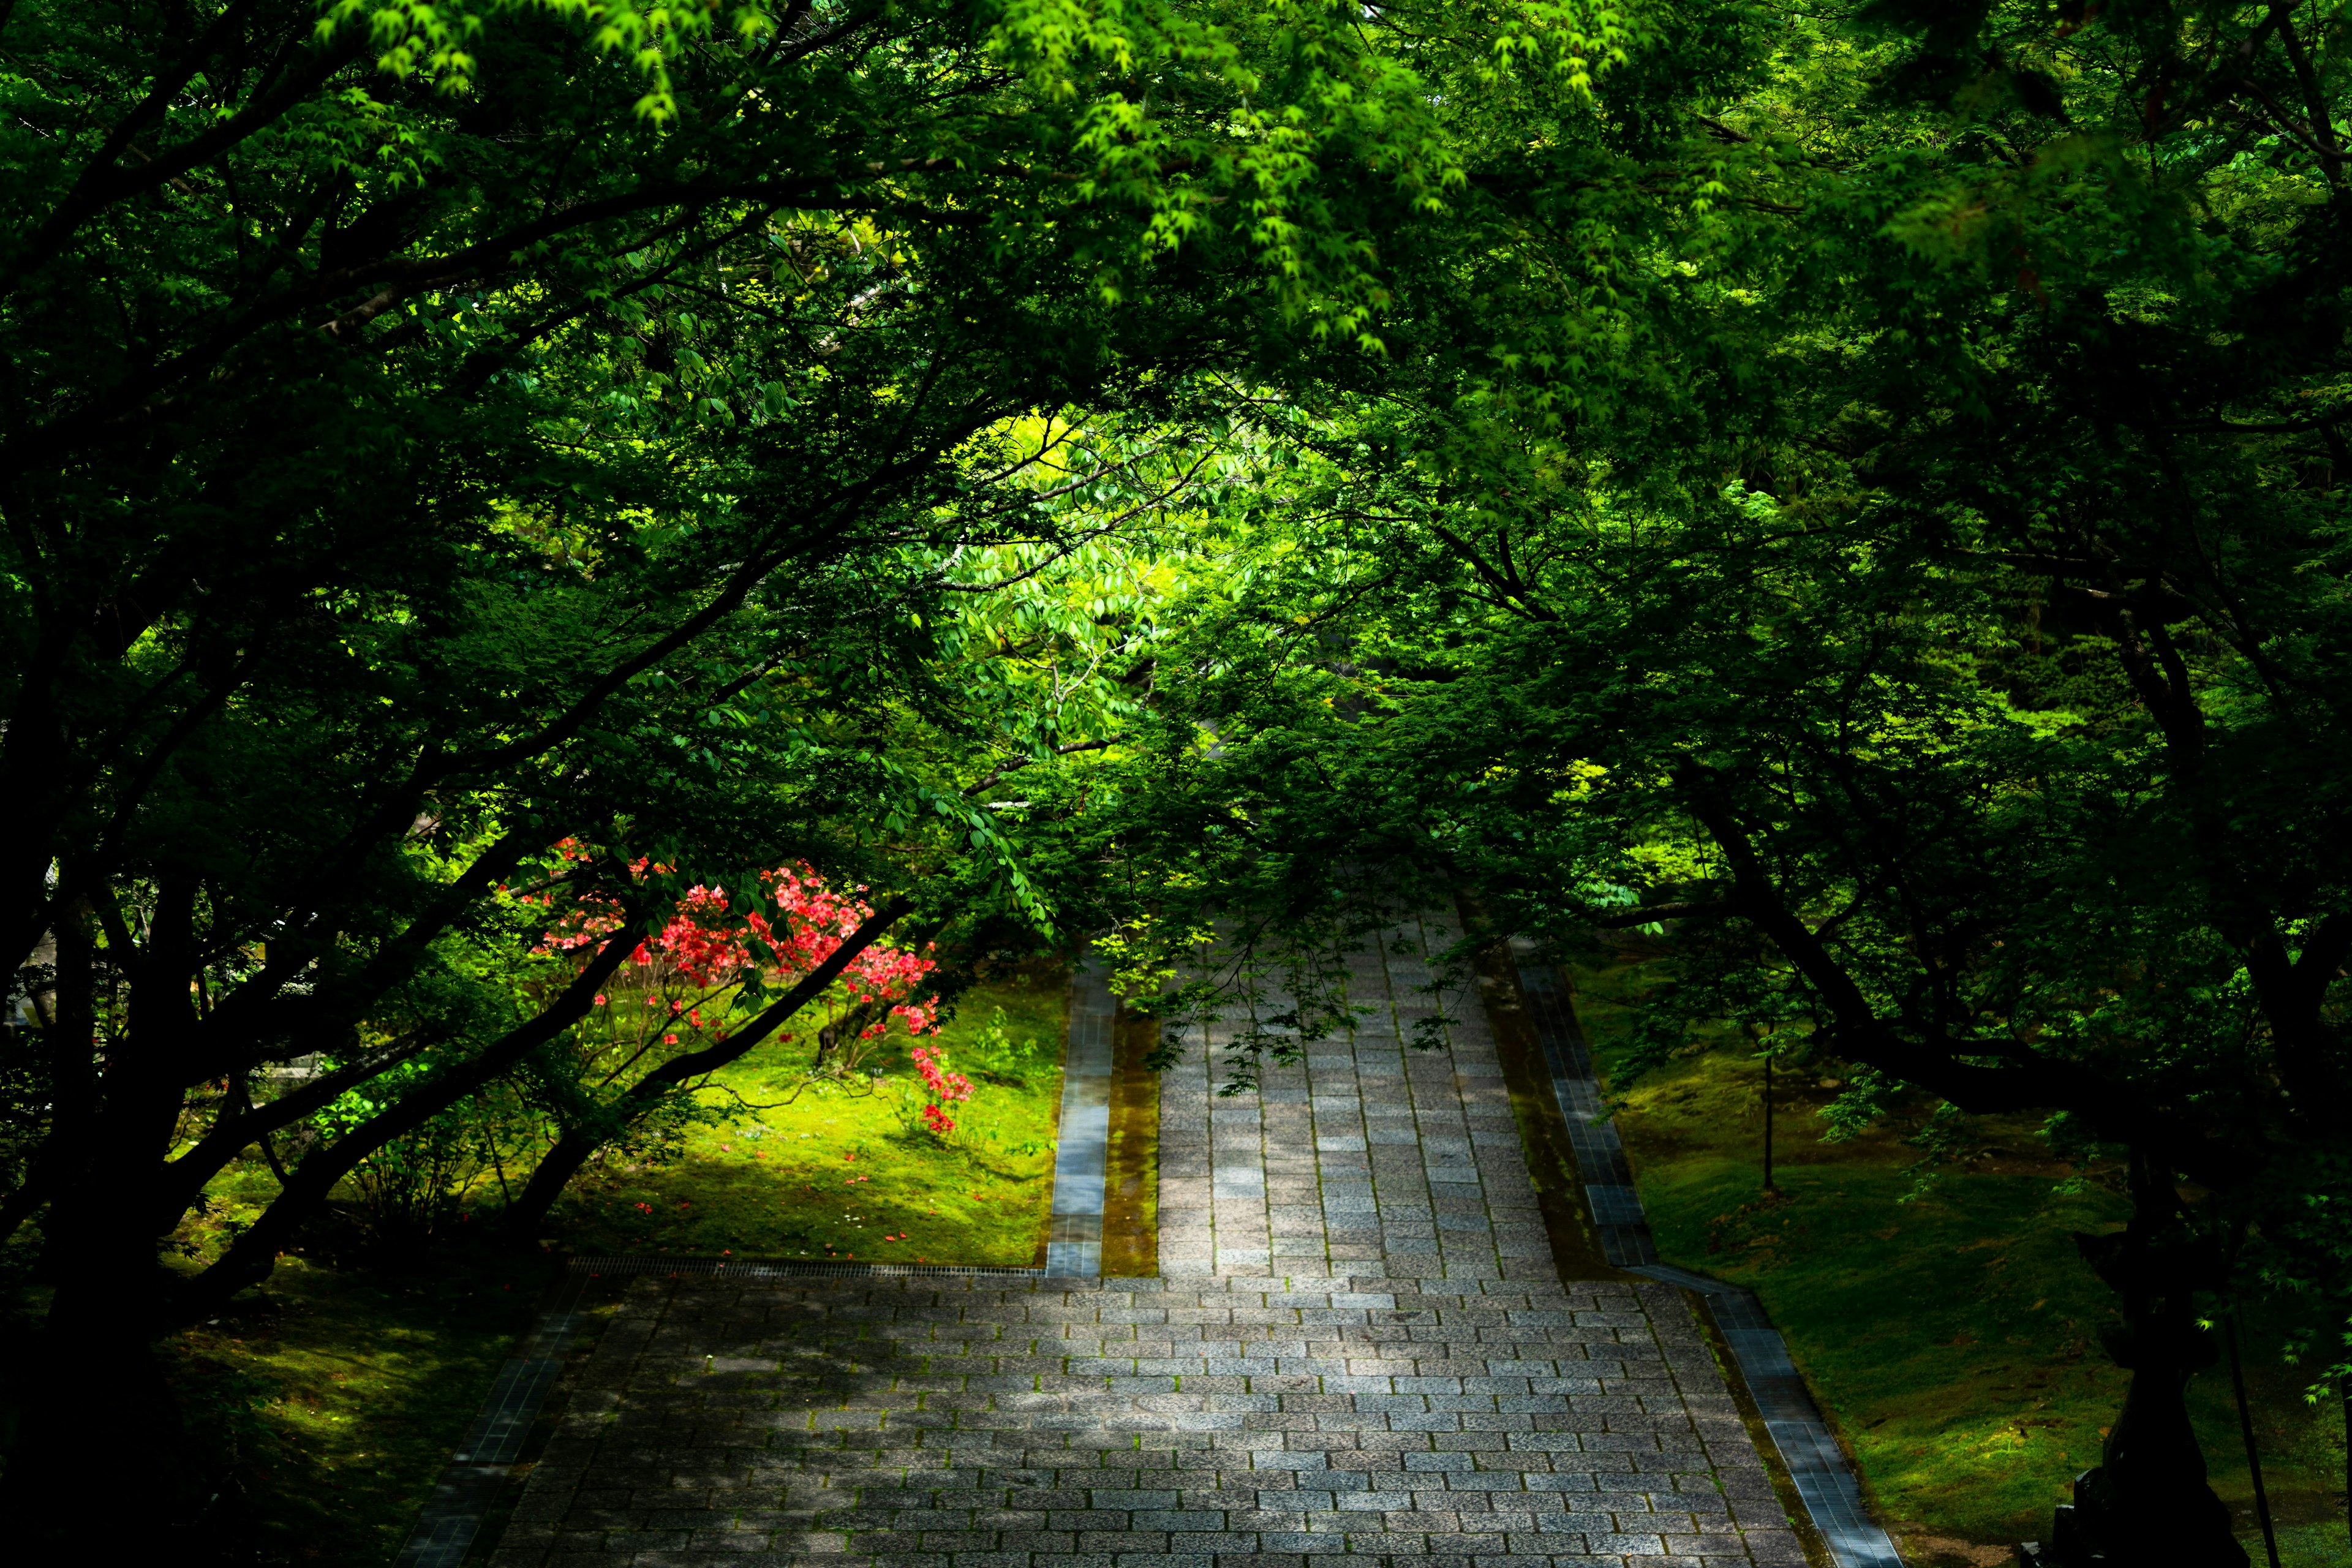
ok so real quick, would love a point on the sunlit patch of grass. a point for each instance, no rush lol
(839, 1174)
(1952, 1338)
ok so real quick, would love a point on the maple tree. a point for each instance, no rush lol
(435, 430)
(1872, 510)
(1837, 479)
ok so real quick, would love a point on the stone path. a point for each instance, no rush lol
(1359, 1344)
(478, 1472)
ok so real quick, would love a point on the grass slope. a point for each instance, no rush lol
(1953, 1338)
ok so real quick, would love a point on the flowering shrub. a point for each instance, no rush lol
(941, 1087)
(718, 954)
(932, 1064)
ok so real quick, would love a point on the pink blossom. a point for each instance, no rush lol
(944, 1085)
(708, 944)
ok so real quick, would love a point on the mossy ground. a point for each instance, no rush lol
(1952, 1338)
(840, 1174)
(363, 1383)
(324, 1407)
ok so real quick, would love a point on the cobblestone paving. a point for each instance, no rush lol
(1359, 1345)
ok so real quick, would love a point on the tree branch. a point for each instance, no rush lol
(2113, 1111)
(1683, 909)
(252, 1255)
(102, 183)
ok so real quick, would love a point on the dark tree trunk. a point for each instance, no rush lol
(528, 1213)
(2148, 1502)
(100, 1433)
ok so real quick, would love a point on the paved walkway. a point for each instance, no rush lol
(1357, 1344)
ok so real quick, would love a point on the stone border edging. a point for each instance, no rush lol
(1824, 1481)
(790, 1268)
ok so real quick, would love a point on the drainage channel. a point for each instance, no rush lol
(1825, 1482)
(453, 1515)
(1082, 1139)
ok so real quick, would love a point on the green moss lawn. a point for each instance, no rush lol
(841, 1175)
(1952, 1338)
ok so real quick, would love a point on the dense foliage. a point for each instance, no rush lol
(1929, 613)
(1860, 494)
(436, 433)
